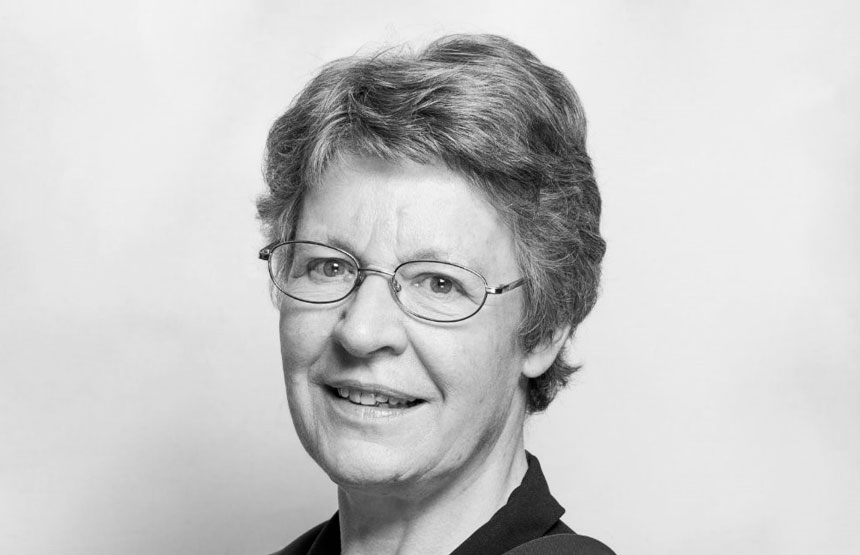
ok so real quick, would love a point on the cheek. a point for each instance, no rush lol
(483, 367)
(304, 336)
(304, 339)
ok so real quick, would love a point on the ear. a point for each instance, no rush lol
(539, 359)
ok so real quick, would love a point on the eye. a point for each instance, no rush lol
(332, 268)
(440, 284)
(329, 268)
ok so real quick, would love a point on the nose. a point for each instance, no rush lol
(371, 322)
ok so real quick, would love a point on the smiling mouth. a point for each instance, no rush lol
(371, 399)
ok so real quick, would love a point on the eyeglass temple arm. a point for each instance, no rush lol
(505, 288)
(266, 251)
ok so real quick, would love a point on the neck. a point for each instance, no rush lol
(437, 522)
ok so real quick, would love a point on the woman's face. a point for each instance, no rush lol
(464, 380)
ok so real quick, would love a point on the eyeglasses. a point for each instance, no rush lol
(428, 289)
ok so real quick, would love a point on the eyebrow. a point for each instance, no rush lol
(342, 245)
(432, 254)
(444, 255)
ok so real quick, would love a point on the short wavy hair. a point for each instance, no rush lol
(489, 110)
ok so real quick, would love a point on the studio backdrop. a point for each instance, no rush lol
(142, 405)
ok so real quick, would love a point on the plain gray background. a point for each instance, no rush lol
(142, 406)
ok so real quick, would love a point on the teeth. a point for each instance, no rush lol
(369, 399)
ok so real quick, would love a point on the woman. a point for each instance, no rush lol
(434, 227)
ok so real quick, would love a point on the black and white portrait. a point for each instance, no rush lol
(470, 277)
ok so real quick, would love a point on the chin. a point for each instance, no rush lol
(367, 466)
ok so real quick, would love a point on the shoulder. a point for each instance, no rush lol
(562, 544)
(302, 544)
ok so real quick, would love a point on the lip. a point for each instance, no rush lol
(368, 417)
(369, 387)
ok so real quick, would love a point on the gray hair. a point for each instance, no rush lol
(488, 109)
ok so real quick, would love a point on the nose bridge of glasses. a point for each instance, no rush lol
(377, 270)
(370, 269)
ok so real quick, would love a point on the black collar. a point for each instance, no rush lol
(531, 512)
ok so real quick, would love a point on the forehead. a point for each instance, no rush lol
(388, 213)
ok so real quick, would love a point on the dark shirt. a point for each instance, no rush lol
(531, 512)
